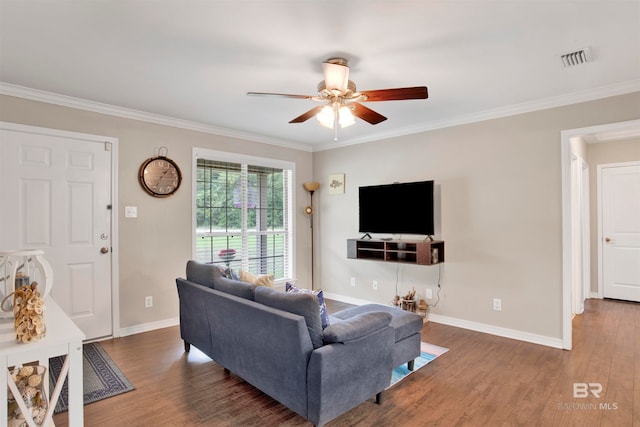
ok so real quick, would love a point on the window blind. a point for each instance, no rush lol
(243, 214)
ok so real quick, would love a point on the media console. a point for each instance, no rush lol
(419, 252)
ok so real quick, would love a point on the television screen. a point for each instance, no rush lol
(405, 208)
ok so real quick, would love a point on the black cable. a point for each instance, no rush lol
(439, 287)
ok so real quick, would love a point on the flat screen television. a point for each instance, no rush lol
(405, 208)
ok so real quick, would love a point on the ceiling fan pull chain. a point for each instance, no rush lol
(335, 122)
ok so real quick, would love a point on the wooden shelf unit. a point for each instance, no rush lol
(419, 252)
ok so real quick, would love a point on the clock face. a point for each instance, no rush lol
(160, 176)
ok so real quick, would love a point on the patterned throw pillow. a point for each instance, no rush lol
(324, 317)
(228, 273)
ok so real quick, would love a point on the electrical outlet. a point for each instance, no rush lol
(429, 293)
(353, 281)
(375, 285)
(497, 304)
(148, 302)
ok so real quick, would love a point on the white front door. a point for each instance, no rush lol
(55, 193)
(620, 239)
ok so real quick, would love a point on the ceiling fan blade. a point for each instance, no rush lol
(367, 114)
(397, 94)
(306, 116)
(281, 95)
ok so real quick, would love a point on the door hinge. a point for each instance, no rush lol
(109, 207)
(107, 146)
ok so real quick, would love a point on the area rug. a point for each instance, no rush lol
(428, 353)
(101, 377)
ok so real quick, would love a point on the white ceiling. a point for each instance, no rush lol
(195, 60)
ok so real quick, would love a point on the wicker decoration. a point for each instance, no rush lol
(28, 311)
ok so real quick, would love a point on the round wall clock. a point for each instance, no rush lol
(160, 176)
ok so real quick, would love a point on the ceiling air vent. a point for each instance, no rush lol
(578, 57)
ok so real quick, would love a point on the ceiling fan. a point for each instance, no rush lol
(343, 101)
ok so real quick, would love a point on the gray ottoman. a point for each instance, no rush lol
(407, 326)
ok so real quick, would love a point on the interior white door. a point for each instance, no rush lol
(620, 216)
(56, 196)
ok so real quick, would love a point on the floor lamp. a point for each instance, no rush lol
(311, 187)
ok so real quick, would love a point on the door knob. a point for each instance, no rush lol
(104, 250)
(607, 240)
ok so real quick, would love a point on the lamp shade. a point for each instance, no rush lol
(326, 116)
(311, 186)
(346, 117)
(336, 76)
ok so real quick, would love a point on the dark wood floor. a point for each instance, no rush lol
(482, 381)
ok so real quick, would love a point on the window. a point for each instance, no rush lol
(243, 213)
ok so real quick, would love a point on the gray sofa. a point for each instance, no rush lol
(275, 341)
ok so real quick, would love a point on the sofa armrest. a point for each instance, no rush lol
(355, 327)
(342, 375)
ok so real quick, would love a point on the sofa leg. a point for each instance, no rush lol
(187, 347)
(410, 364)
(379, 398)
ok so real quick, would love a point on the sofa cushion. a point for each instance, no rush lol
(202, 274)
(324, 317)
(356, 327)
(257, 279)
(305, 305)
(405, 323)
(235, 287)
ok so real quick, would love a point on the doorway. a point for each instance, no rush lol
(570, 234)
(619, 226)
(61, 188)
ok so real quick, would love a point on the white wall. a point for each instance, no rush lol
(155, 247)
(499, 184)
(500, 191)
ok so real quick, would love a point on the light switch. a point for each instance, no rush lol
(131, 212)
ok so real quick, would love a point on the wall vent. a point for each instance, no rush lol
(578, 57)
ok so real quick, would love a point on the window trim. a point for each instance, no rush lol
(226, 156)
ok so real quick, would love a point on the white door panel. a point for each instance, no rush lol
(620, 188)
(59, 192)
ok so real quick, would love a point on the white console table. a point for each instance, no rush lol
(63, 338)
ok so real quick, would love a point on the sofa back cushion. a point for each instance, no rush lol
(305, 305)
(235, 287)
(203, 274)
(324, 316)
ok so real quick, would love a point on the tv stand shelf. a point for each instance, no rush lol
(419, 252)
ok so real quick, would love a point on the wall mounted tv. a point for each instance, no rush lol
(405, 208)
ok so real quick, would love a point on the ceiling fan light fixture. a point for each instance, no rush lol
(336, 74)
(341, 100)
(326, 116)
(346, 118)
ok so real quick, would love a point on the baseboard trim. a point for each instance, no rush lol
(467, 324)
(147, 327)
(497, 330)
(346, 299)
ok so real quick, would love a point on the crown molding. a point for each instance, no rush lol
(496, 113)
(510, 110)
(129, 113)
